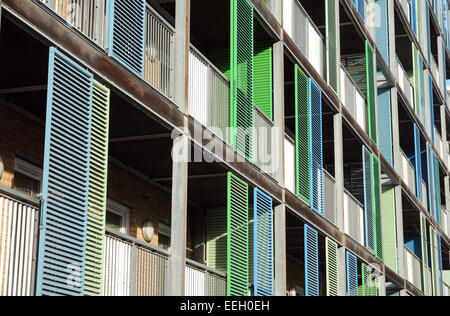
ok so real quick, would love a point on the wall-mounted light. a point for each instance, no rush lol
(148, 230)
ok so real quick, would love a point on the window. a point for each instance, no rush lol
(27, 178)
(117, 216)
(163, 236)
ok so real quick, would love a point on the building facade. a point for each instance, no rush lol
(224, 148)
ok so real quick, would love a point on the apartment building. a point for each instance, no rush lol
(224, 148)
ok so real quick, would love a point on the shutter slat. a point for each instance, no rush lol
(332, 267)
(311, 262)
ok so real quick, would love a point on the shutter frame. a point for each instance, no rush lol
(369, 208)
(371, 93)
(352, 274)
(332, 267)
(311, 261)
(333, 45)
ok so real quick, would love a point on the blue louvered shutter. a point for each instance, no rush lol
(430, 86)
(126, 33)
(316, 148)
(385, 124)
(311, 262)
(360, 7)
(63, 226)
(352, 274)
(418, 162)
(263, 244)
(368, 200)
(382, 30)
(413, 16)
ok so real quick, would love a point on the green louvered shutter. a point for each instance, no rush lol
(332, 267)
(434, 263)
(424, 243)
(376, 186)
(302, 135)
(241, 90)
(371, 93)
(237, 237)
(97, 190)
(65, 185)
(369, 285)
(263, 80)
(332, 45)
(216, 239)
(389, 228)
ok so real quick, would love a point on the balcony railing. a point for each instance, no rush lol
(354, 218)
(428, 284)
(353, 99)
(289, 163)
(413, 269)
(159, 53)
(209, 94)
(87, 16)
(405, 84)
(204, 281)
(304, 33)
(435, 71)
(18, 241)
(329, 188)
(263, 142)
(408, 173)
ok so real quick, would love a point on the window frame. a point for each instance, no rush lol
(122, 211)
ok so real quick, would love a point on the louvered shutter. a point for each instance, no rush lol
(389, 228)
(368, 200)
(263, 79)
(437, 190)
(263, 244)
(332, 44)
(216, 239)
(434, 261)
(316, 150)
(242, 92)
(430, 86)
(302, 134)
(431, 183)
(369, 285)
(382, 32)
(376, 186)
(97, 190)
(421, 85)
(418, 70)
(332, 267)
(62, 240)
(424, 244)
(237, 237)
(385, 125)
(126, 33)
(352, 274)
(413, 10)
(440, 272)
(418, 163)
(371, 93)
(311, 262)
(360, 7)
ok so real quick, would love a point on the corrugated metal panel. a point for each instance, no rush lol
(194, 282)
(237, 237)
(311, 262)
(62, 243)
(97, 190)
(17, 240)
(198, 89)
(389, 228)
(116, 271)
(151, 273)
(332, 267)
(263, 79)
(242, 91)
(369, 207)
(303, 135)
(329, 204)
(333, 45)
(126, 33)
(316, 143)
(263, 244)
(371, 92)
(352, 274)
(385, 124)
(216, 285)
(216, 239)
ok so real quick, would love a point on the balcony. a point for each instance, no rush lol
(305, 34)
(136, 268)
(405, 84)
(353, 99)
(413, 267)
(408, 173)
(329, 197)
(354, 218)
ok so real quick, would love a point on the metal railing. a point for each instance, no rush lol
(263, 142)
(329, 197)
(408, 172)
(353, 99)
(354, 218)
(18, 244)
(133, 267)
(304, 33)
(289, 164)
(209, 94)
(413, 269)
(159, 53)
(405, 83)
(201, 280)
(87, 16)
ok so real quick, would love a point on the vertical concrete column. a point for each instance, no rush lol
(444, 130)
(339, 170)
(182, 38)
(399, 223)
(441, 68)
(382, 285)
(342, 271)
(177, 259)
(280, 250)
(278, 104)
(277, 10)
